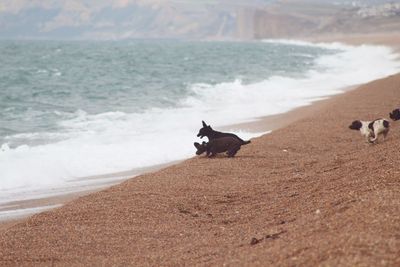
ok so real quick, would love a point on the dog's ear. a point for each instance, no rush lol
(204, 124)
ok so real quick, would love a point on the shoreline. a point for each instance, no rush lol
(270, 123)
(23, 208)
(386, 39)
(265, 124)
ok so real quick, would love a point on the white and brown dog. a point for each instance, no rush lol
(371, 129)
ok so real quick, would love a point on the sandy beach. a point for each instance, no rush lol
(310, 193)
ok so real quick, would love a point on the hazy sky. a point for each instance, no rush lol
(119, 19)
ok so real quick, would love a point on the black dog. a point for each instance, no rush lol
(395, 114)
(211, 134)
(228, 144)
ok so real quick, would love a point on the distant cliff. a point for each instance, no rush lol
(291, 19)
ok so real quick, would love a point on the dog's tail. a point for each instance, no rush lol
(246, 142)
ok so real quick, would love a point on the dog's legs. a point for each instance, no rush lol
(211, 153)
(232, 152)
(385, 133)
(371, 137)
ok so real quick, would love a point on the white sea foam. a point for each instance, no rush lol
(118, 141)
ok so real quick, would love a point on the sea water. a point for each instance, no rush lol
(76, 109)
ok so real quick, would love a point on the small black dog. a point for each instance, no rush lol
(211, 134)
(228, 144)
(395, 114)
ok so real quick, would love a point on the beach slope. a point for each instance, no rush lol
(310, 193)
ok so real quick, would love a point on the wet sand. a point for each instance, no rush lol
(35, 202)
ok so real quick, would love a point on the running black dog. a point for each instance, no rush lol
(228, 144)
(211, 134)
